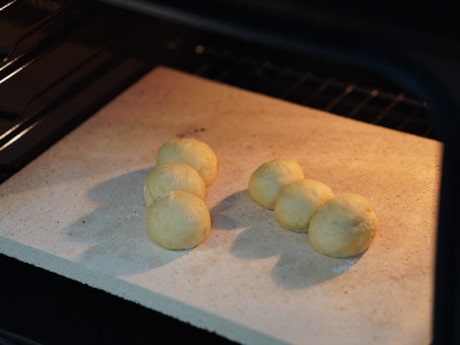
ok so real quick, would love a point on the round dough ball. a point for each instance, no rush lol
(267, 180)
(193, 152)
(172, 176)
(344, 226)
(298, 201)
(178, 220)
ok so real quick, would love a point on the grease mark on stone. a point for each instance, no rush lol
(190, 132)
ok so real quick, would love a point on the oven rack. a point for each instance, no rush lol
(320, 87)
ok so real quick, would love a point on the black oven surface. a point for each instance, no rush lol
(62, 60)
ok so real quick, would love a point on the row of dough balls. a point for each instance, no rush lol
(337, 225)
(174, 193)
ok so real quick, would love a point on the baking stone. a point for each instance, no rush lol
(78, 210)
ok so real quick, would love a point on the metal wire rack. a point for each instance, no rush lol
(317, 88)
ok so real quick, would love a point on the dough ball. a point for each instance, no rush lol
(298, 201)
(172, 176)
(344, 226)
(178, 220)
(267, 180)
(193, 152)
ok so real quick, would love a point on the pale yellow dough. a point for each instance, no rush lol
(178, 220)
(172, 176)
(344, 226)
(298, 201)
(267, 180)
(191, 151)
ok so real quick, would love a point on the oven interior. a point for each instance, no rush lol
(62, 60)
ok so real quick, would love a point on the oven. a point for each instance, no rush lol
(63, 61)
